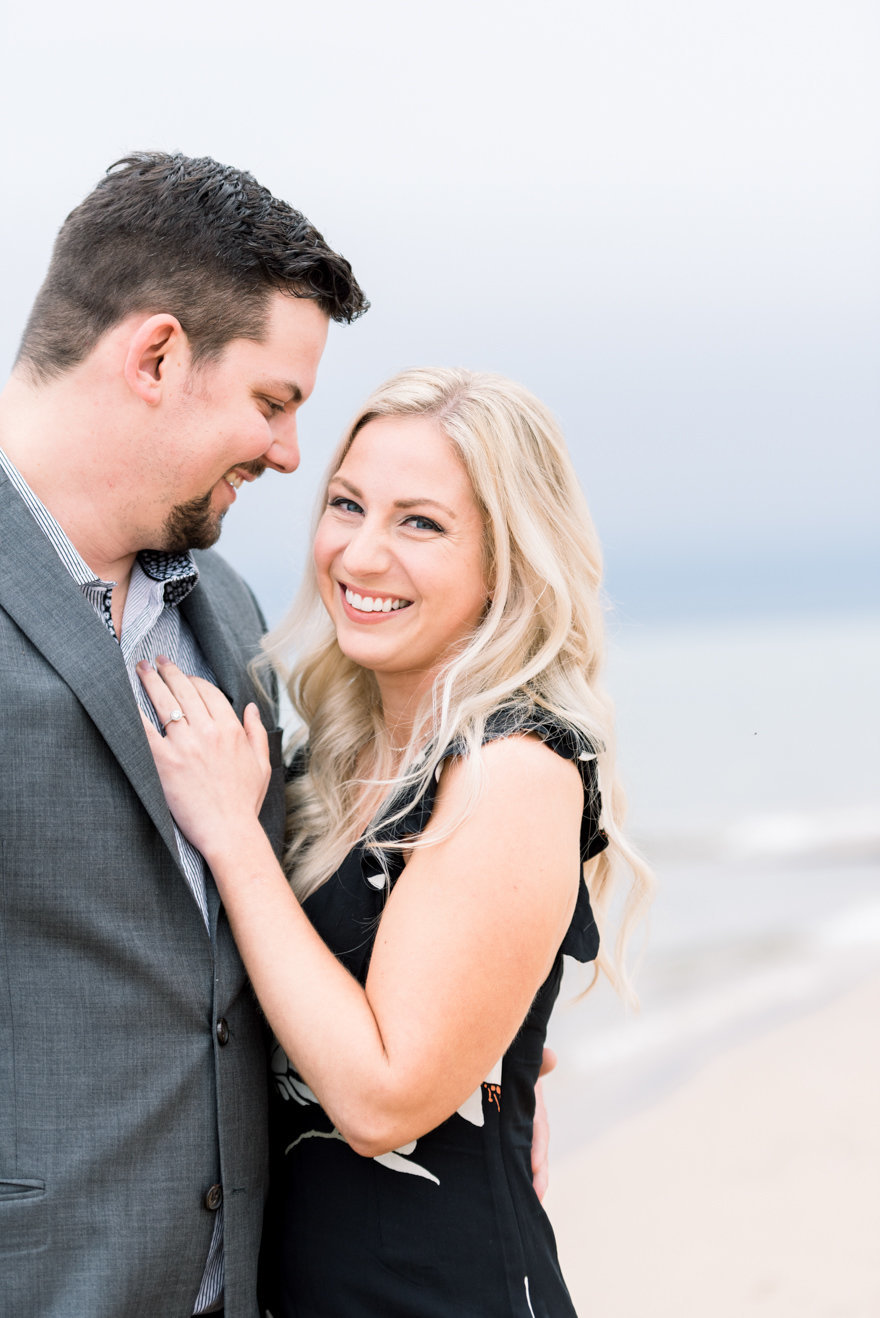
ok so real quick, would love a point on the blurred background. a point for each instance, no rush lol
(662, 218)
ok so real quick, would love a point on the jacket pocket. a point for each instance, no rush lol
(22, 1216)
(21, 1190)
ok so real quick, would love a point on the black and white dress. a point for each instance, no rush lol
(447, 1226)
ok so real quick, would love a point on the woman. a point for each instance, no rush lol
(444, 808)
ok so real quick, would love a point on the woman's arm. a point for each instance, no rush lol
(469, 933)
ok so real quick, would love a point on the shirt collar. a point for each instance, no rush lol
(178, 572)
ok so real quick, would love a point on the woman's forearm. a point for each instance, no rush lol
(319, 1013)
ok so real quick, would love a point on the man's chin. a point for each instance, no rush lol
(193, 525)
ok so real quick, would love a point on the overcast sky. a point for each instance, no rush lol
(661, 215)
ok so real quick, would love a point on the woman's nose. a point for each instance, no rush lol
(367, 551)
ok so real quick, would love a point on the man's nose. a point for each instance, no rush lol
(283, 452)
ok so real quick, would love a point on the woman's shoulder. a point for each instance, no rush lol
(556, 732)
(522, 723)
(514, 733)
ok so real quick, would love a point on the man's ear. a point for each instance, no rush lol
(155, 345)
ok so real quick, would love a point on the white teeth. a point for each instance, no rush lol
(374, 604)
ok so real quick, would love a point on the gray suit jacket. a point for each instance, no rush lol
(120, 1104)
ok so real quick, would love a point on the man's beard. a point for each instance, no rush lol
(192, 525)
(195, 524)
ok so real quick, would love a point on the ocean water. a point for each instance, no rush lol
(751, 755)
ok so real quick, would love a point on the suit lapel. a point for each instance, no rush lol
(38, 593)
(208, 615)
(219, 645)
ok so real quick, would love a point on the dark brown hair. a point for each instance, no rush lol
(168, 233)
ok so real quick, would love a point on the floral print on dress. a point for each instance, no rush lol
(293, 1089)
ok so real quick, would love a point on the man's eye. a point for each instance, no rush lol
(273, 406)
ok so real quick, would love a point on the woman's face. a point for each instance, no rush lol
(399, 553)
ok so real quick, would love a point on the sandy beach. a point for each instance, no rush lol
(750, 1189)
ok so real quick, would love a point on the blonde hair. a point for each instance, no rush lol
(540, 643)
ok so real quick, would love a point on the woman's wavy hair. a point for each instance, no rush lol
(539, 644)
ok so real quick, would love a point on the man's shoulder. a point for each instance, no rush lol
(215, 571)
(225, 587)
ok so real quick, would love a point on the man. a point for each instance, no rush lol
(178, 331)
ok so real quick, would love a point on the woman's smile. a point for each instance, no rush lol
(369, 604)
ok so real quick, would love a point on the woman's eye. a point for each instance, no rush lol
(345, 505)
(424, 523)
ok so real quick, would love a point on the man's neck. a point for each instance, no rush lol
(42, 432)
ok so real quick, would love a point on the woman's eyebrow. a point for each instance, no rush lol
(398, 503)
(420, 503)
(352, 489)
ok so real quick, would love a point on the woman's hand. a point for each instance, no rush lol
(214, 770)
(541, 1129)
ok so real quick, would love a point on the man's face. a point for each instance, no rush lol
(230, 420)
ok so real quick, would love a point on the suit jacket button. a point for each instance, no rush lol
(213, 1198)
(222, 1032)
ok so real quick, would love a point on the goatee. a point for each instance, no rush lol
(192, 525)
